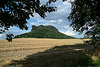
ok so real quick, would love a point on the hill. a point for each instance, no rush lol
(43, 27)
(44, 32)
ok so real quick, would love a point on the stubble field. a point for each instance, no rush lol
(24, 48)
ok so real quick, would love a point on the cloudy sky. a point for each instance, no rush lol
(57, 19)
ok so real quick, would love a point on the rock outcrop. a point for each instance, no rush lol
(43, 27)
(33, 28)
(44, 32)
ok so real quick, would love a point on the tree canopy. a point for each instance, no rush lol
(17, 12)
(85, 15)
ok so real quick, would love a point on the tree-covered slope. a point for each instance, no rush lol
(44, 33)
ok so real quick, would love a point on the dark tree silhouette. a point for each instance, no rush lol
(9, 37)
(85, 15)
(16, 12)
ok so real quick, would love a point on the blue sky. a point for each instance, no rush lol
(57, 19)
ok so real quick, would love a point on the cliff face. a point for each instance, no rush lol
(33, 28)
(43, 27)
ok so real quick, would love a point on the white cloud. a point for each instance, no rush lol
(40, 20)
(33, 23)
(67, 3)
(57, 18)
(66, 27)
(50, 24)
(16, 31)
(36, 16)
(60, 20)
(71, 33)
(63, 10)
(2, 36)
(52, 21)
(89, 27)
(46, 21)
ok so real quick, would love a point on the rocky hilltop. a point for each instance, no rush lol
(44, 32)
(48, 27)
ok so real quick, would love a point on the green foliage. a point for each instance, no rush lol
(44, 33)
(85, 62)
(85, 16)
(98, 62)
(17, 12)
(95, 42)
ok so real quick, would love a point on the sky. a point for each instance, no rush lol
(57, 19)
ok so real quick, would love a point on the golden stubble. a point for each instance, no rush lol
(21, 48)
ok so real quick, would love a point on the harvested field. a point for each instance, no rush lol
(25, 49)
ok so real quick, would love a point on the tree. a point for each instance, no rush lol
(9, 37)
(17, 12)
(85, 15)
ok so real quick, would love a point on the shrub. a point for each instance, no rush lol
(84, 62)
